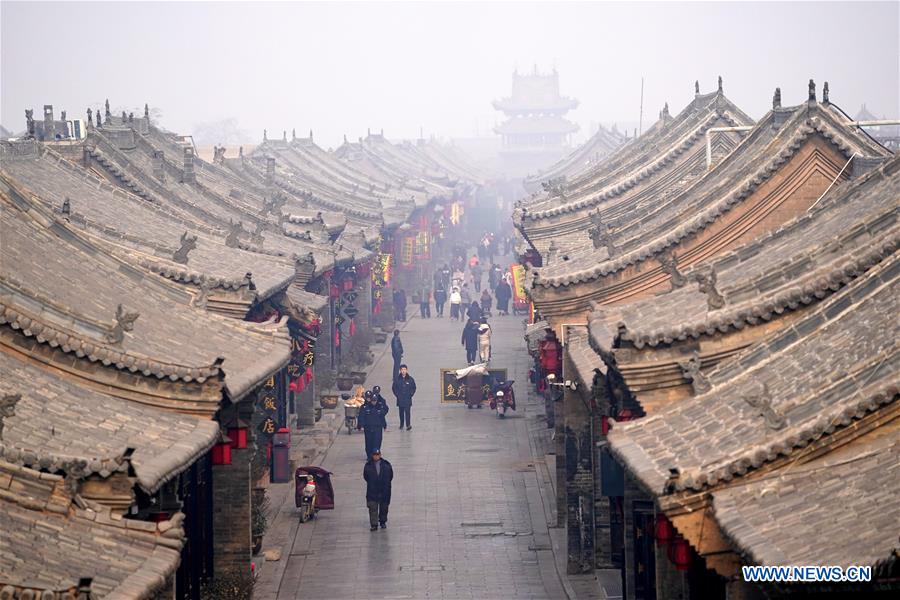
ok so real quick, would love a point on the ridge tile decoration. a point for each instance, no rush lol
(736, 354)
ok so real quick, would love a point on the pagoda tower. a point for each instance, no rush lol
(536, 133)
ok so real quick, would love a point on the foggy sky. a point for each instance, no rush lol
(340, 68)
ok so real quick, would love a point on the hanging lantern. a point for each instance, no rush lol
(333, 292)
(308, 376)
(348, 284)
(604, 429)
(237, 433)
(221, 452)
(680, 553)
(664, 530)
(292, 386)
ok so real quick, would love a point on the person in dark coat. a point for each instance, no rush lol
(396, 353)
(474, 311)
(494, 275)
(404, 389)
(378, 475)
(376, 391)
(371, 420)
(470, 340)
(440, 298)
(503, 294)
(400, 305)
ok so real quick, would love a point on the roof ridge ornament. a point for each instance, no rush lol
(669, 262)
(812, 92)
(760, 399)
(66, 209)
(720, 85)
(601, 235)
(690, 370)
(825, 94)
(202, 299)
(234, 232)
(706, 281)
(124, 322)
(146, 110)
(8, 408)
(188, 243)
(696, 87)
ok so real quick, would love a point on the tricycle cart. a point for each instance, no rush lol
(312, 491)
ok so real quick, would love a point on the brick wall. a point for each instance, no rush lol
(579, 488)
(231, 507)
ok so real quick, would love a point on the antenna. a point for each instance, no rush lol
(641, 117)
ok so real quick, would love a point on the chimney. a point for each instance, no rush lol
(188, 166)
(157, 162)
(49, 127)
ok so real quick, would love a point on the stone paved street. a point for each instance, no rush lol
(467, 517)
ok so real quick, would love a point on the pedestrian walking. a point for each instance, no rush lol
(503, 293)
(455, 303)
(494, 276)
(469, 339)
(484, 340)
(400, 305)
(404, 389)
(425, 304)
(376, 391)
(473, 313)
(440, 298)
(378, 474)
(396, 353)
(473, 261)
(486, 302)
(371, 420)
(466, 295)
(476, 277)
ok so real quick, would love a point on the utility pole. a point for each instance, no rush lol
(641, 117)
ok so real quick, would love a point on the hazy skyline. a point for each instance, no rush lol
(340, 68)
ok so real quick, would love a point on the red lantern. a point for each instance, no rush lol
(308, 376)
(333, 292)
(604, 429)
(238, 437)
(221, 453)
(348, 284)
(680, 553)
(550, 355)
(664, 530)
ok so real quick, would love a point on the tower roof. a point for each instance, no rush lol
(535, 93)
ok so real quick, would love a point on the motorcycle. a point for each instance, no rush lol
(312, 491)
(503, 398)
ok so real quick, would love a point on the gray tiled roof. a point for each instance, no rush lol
(582, 355)
(146, 233)
(599, 146)
(69, 297)
(841, 509)
(643, 228)
(56, 421)
(47, 544)
(798, 264)
(828, 369)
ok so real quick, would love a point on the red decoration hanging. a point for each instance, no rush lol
(376, 309)
(604, 428)
(348, 284)
(334, 292)
(300, 384)
(221, 453)
(680, 553)
(664, 530)
(292, 386)
(352, 327)
(308, 376)
(337, 338)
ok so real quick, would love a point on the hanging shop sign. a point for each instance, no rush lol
(518, 283)
(407, 246)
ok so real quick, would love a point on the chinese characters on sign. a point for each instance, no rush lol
(454, 390)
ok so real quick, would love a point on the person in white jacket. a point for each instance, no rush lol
(484, 341)
(455, 302)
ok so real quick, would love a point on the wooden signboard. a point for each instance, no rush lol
(454, 390)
